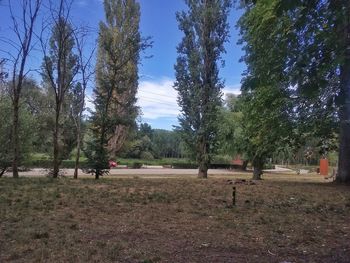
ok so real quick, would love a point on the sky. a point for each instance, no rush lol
(156, 95)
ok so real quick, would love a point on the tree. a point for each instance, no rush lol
(198, 84)
(59, 68)
(26, 119)
(78, 93)
(38, 101)
(23, 28)
(119, 47)
(304, 46)
(266, 124)
(5, 135)
(230, 129)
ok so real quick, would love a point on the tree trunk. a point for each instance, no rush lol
(15, 136)
(97, 174)
(78, 153)
(55, 144)
(2, 171)
(344, 144)
(203, 160)
(244, 165)
(203, 170)
(258, 167)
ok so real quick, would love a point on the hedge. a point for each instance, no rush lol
(47, 164)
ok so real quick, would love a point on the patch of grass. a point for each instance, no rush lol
(289, 218)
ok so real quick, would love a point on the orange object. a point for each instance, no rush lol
(324, 167)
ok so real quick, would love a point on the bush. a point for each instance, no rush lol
(222, 159)
(182, 165)
(224, 166)
(146, 156)
(135, 165)
(269, 166)
(47, 164)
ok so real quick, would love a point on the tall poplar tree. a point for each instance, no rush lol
(206, 30)
(59, 68)
(119, 47)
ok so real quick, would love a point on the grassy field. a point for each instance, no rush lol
(280, 219)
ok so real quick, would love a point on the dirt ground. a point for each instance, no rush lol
(283, 218)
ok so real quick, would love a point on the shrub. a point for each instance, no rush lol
(44, 163)
(269, 166)
(135, 165)
(146, 156)
(182, 165)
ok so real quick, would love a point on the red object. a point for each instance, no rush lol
(324, 167)
(112, 164)
(237, 160)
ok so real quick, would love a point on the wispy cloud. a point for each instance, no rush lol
(157, 98)
(82, 3)
(234, 89)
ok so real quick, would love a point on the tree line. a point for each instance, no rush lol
(296, 87)
(67, 71)
(295, 91)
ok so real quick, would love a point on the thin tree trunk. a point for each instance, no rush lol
(15, 136)
(203, 161)
(55, 144)
(78, 155)
(3, 170)
(344, 144)
(77, 158)
(258, 167)
(244, 165)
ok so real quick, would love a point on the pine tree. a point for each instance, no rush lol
(198, 84)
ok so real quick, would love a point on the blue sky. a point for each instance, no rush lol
(156, 96)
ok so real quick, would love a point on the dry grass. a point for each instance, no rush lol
(281, 219)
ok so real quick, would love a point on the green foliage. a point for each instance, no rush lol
(167, 144)
(183, 165)
(146, 156)
(59, 68)
(135, 165)
(155, 143)
(198, 84)
(60, 64)
(230, 127)
(119, 48)
(289, 88)
(96, 150)
(47, 163)
(26, 127)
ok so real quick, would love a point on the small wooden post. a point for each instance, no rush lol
(233, 195)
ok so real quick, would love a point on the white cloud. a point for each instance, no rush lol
(157, 99)
(235, 89)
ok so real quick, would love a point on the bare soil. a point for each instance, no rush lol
(284, 218)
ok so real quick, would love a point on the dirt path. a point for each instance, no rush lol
(165, 172)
